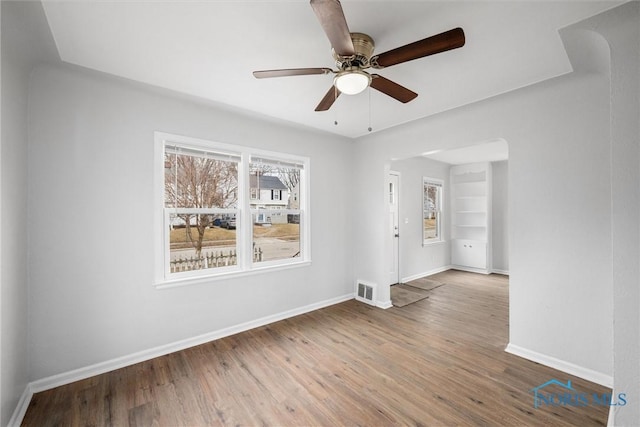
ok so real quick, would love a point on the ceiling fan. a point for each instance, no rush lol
(353, 53)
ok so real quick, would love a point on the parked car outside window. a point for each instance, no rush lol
(228, 222)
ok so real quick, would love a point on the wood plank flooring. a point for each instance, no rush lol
(439, 361)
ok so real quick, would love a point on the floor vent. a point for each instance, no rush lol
(365, 293)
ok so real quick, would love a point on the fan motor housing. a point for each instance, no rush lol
(363, 46)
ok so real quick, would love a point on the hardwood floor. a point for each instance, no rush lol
(439, 361)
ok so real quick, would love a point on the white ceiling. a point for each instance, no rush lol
(210, 48)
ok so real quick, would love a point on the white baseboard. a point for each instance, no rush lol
(611, 418)
(425, 274)
(470, 269)
(561, 365)
(384, 304)
(21, 408)
(120, 362)
(453, 267)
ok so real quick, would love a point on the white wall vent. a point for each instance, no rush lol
(365, 292)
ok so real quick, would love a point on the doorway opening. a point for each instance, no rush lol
(477, 217)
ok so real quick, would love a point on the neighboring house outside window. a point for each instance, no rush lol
(207, 217)
(294, 196)
(270, 190)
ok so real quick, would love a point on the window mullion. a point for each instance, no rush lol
(245, 250)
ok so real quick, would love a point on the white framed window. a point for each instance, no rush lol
(208, 224)
(432, 194)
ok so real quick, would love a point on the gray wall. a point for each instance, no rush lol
(88, 163)
(500, 216)
(558, 274)
(621, 29)
(91, 200)
(26, 41)
(417, 260)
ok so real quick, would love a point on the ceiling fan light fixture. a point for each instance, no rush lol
(352, 82)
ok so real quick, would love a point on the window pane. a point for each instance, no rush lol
(430, 226)
(274, 186)
(277, 237)
(431, 211)
(198, 242)
(200, 182)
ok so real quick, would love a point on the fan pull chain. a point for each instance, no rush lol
(335, 110)
(369, 90)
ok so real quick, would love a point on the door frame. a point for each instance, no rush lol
(394, 225)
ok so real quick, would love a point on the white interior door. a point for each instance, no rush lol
(393, 185)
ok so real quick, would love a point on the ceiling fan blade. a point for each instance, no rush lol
(290, 72)
(328, 99)
(392, 89)
(334, 24)
(442, 42)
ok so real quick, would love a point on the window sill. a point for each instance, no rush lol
(188, 281)
(433, 242)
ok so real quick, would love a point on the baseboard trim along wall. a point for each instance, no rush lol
(425, 274)
(611, 417)
(498, 271)
(121, 362)
(384, 304)
(561, 365)
(21, 409)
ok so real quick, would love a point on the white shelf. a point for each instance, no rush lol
(470, 204)
(471, 215)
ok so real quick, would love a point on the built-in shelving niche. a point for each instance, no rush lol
(471, 217)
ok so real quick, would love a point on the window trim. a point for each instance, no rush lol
(439, 212)
(244, 234)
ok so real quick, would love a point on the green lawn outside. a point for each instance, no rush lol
(217, 236)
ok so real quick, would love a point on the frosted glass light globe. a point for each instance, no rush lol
(352, 82)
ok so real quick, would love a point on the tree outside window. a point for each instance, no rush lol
(431, 210)
(201, 197)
